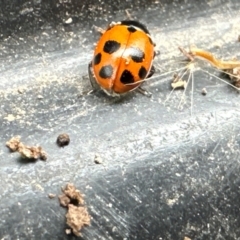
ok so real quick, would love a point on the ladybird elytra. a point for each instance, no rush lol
(123, 57)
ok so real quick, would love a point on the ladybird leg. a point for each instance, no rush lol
(128, 14)
(156, 53)
(144, 92)
(99, 29)
(92, 78)
(151, 72)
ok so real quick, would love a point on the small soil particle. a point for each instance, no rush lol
(204, 91)
(51, 195)
(98, 159)
(63, 140)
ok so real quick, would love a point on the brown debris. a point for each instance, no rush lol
(232, 67)
(63, 140)
(31, 152)
(64, 200)
(234, 75)
(178, 82)
(35, 152)
(73, 194)
(77, 218)
(13, 143)
(51, 195)
(77, 215)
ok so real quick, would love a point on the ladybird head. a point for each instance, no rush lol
(132, 24)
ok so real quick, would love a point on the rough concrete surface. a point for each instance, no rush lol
(169, 170)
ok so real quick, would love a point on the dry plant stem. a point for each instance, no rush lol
(220, 64)
(185, 53)
(232, 68)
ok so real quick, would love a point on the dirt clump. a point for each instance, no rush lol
(77, 215)
(31, 153)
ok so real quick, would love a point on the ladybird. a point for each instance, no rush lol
(123, 58)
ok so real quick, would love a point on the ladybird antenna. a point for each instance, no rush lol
(129, 17)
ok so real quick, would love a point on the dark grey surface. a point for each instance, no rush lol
(166, 173)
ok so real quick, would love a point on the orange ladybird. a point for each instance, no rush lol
(122, 58)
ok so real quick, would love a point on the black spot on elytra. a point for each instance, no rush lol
(106, 71)
(136, 54)
(142, 73)
(127, 77)
(97, 59)
(131, 29)
(156, 53)
(111, 46)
